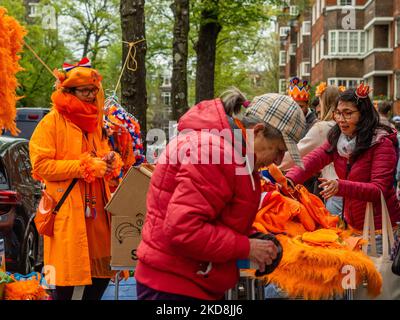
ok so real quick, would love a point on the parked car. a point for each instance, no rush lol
(19, 197)
(27, 120)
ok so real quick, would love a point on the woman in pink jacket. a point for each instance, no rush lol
(364, 153)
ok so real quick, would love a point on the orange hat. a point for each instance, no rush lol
(80, 74)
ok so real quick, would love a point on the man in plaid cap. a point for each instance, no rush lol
(283, 114)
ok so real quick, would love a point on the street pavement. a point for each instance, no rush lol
(127, 290)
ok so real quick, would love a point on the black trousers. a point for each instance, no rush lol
(91, 292)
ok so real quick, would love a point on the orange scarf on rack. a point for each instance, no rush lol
(83, 114)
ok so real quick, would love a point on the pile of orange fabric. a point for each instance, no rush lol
(11, 41)
(282, 214)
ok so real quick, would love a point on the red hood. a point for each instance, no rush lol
(209, 114)
(381, 133)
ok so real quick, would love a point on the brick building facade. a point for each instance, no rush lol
(349, 41)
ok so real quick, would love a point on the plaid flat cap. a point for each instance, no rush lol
(284, 114)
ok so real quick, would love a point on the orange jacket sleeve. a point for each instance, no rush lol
(42, 149)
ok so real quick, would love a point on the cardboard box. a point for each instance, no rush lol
(128, 208)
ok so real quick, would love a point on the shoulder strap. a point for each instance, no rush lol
(65, 195)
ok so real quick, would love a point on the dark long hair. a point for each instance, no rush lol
(366, 126)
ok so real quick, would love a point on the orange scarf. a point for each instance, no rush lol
(83, 114)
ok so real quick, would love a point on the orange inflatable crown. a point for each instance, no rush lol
(299, 90)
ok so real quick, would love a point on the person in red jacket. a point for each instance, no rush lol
(199, 211)
(364, 153)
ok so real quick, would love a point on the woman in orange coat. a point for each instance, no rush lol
(69, 143)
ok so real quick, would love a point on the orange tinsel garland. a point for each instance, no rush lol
(11, 41)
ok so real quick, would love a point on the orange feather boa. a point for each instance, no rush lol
(11, 42)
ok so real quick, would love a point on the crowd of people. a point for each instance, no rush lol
(200, 214)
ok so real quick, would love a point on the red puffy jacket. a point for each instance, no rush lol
(198, 215)
(372, 172)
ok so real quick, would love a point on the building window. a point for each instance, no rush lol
(305, 69)
(318, 9)
(292, 49)
(313, 57)
(322, 6)
(353, 44)
(343, 41)
(370, 39)
(314, 14)
(397, 32)
(397, 86)
(34, 10)
(294, 11)
(346, 2)
(282, 58)
(352, 83)
(317, 59)
(306, 28)
(346, 82)
(346, 42)
(166, 98)
(321, 47)
(301, 33)
(284, 31)
(332, 45)
(362, 42)
(166, 81)
(282, 86)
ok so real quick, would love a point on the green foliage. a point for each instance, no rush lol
(36, 82)
(244, 49)
(93, 25)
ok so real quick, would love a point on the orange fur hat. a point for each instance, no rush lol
(79, 74)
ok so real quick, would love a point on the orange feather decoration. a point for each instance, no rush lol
(11, 42)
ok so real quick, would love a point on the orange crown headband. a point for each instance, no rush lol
(363, 91)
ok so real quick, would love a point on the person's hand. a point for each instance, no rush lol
(109, 157)
(100, 167)
(109, 160)
(330, 188)
(290, 183)
(262, 252)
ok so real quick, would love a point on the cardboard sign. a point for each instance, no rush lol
(128, 209)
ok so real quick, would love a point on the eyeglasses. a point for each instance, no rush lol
(87, 92)
(346, 114)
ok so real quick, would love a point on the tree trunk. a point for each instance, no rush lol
(133, 83)
(179, 87)
(206, 51)
(86, 44)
